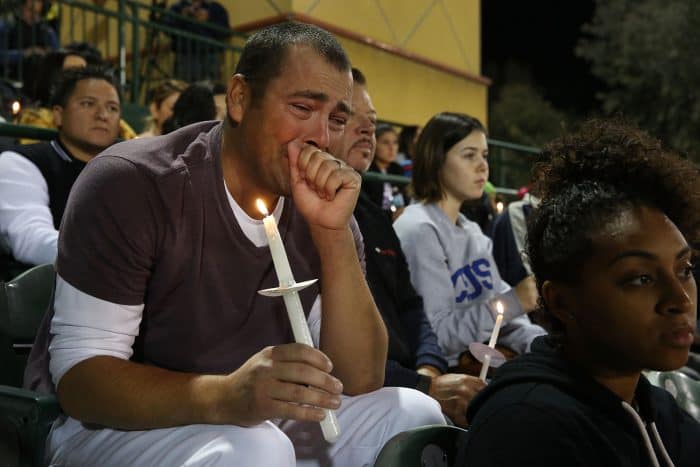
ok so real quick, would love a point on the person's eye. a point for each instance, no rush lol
(339, 121)
(640, 280)
(688, 268)
(301, 108)
(486, 155)
(86, 103)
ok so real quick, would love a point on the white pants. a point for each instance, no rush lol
(366, 423)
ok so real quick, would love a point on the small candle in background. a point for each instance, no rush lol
(499, 207)
(497, 325)
(492, 340)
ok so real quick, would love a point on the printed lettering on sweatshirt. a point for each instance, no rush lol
(471, 280)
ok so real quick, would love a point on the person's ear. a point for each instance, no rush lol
(559, 300)
(153, 108)
(238, 94)
(57, 115)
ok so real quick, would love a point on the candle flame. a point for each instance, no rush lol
(261, 207)
(499, 307)
(499, 207)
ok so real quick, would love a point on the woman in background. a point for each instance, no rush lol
(163, 98)
(609, 246)
(450, 259)
(195, 104)
(391, 197)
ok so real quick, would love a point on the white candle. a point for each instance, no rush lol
(497, 325)
(492, 340)
(295, 311)
(279, 255)
(485, 367)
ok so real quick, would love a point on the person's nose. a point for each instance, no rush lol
(319, 135)
(678, 295)
(366, 127)
(101, 112)
(483, 164)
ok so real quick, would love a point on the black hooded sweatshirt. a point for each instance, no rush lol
(540, 410)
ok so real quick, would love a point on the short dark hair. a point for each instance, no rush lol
(70, 77)
(588, 178)
(265, 51)
(441, 132)
(384, 128)
(358, 77)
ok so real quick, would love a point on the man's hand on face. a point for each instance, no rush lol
(324, 188)
(290, 381)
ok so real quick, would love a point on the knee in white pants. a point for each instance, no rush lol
(414, 409)
(264, 444)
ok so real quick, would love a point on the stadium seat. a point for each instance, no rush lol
(25, 416)
(685, 390)
(426, 446)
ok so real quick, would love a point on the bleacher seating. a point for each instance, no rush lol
(25, 416)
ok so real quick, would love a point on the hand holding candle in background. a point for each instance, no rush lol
(492, 340)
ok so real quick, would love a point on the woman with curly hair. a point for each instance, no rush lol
(610, 248)
(450, 259)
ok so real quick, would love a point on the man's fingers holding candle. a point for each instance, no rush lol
(296, 352)
(289, 411)
(301, 394)
(303, 373)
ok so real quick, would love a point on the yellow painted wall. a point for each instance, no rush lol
(410, 93)
(446, 31)
(404, 91)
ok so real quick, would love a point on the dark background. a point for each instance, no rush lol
(537, 39)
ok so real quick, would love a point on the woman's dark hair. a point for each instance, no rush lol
(91, 54)
(48, 74)
(406, 137)
(195, 104)
(588, 178)
(441, 132)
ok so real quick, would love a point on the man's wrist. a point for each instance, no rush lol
(424, 383)
(429, 370)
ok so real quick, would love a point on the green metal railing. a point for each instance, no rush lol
(508, 161)
(138, 39)
(509, 166)
(143, 51)
(134, 37)
(12, 130)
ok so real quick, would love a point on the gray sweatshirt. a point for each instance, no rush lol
(453, 269)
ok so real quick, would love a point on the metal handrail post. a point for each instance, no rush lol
(135, 53)
(121, 43)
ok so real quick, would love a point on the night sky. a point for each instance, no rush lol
(540, 37)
